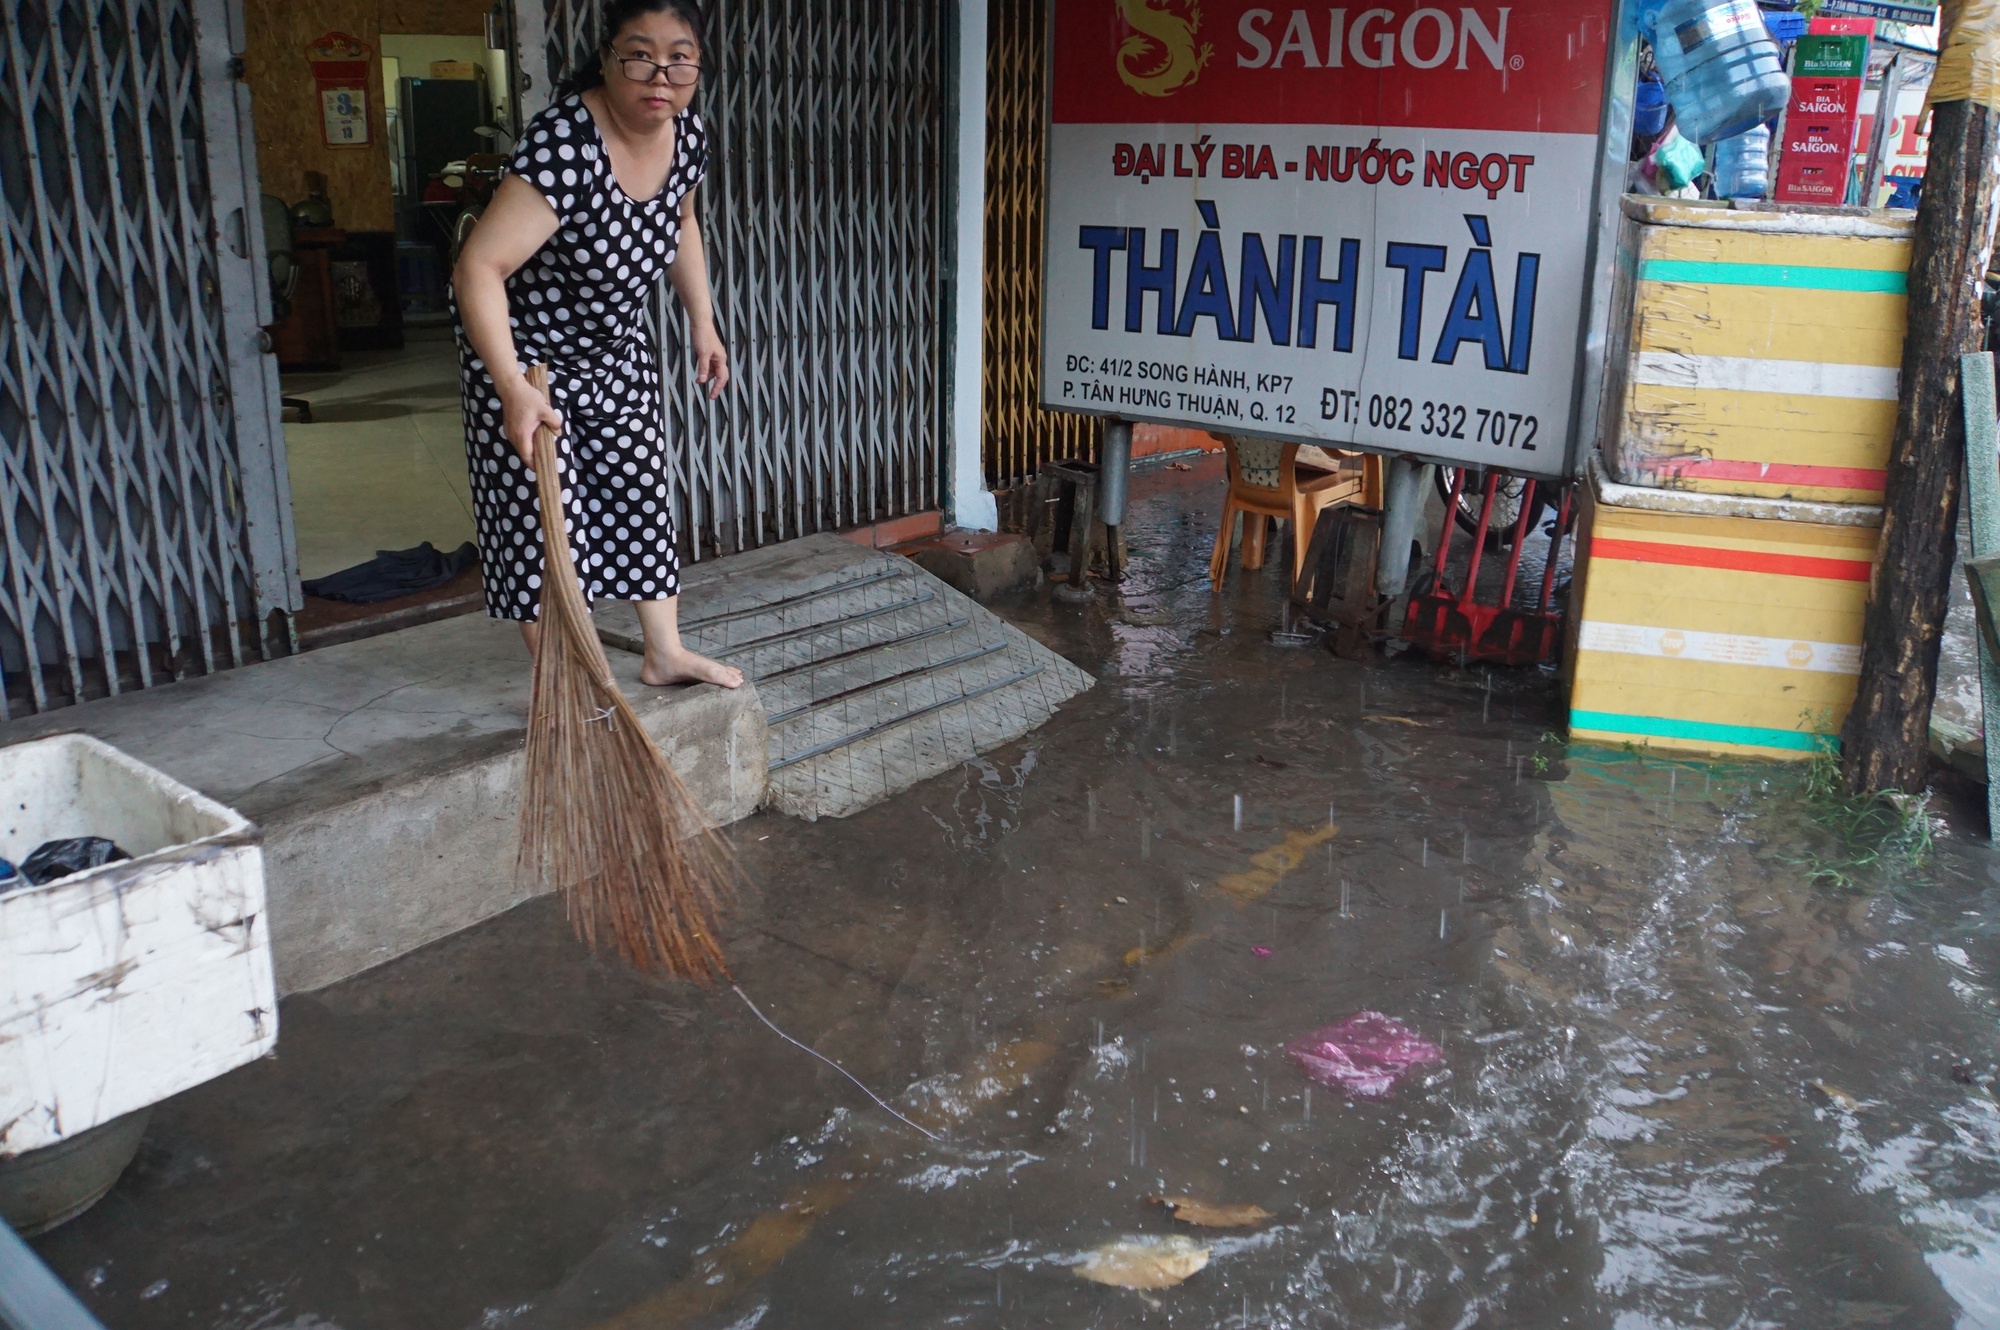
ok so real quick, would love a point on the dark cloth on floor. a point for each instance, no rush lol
(393, 573)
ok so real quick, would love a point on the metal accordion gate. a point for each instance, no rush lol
(143, 498)
(1019, 436)
(826, 219)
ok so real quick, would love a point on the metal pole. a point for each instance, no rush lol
(1114, 466)
(1114, 473)
(1885, 120)
(1403, 508)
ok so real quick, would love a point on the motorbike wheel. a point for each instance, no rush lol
(1506, 504)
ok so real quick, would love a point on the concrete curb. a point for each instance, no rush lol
(385, 776)
(365, 881)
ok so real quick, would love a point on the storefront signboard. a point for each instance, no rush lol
(1891, 11)
(1366, 226)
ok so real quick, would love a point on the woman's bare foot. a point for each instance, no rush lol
(679, 665)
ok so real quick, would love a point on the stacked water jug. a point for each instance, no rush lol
(1725, 76)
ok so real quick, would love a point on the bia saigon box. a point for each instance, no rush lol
(1715, 624)
(1816, 150)
(1756, 350)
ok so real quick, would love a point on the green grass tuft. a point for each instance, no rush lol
(1868, 836)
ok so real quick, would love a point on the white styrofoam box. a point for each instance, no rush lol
(128, 983)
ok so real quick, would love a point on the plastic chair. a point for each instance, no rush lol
(1265, 481)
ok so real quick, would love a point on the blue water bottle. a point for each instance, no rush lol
(1723, 72)
(1649, 109)
(1743, 165)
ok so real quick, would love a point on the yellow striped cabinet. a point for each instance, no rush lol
(1714, 624)
(1757, 350)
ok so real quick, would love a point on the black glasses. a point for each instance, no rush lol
(641, 70)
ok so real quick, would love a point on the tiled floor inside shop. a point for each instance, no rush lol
(382, 466)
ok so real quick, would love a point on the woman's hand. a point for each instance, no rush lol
(711, 361)
(523, 411)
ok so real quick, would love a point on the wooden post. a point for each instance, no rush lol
(1886, 741)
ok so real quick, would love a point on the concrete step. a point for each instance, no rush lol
(873, 673)
(385, 775)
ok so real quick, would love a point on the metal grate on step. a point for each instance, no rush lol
(963, 658)
(830, 626)
(832, 745)
(886, 644)
(790, 602)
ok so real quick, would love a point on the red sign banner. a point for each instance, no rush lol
(1536, 67)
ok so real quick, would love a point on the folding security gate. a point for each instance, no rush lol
(143, 497)
(825, 219)
(1019, 436)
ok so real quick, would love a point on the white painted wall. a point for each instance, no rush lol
(968, 503)
(531, 33)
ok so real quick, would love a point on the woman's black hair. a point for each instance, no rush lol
(617, 14)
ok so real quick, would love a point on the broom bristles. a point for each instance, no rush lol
(604, 818)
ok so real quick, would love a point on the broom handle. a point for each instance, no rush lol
(558, 569)
(555, 534)
(559, 580)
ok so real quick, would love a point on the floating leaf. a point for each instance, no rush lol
(1208, 1215)
(1144, 1262)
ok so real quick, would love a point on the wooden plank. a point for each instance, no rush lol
(1735, 246)
(1982, 464)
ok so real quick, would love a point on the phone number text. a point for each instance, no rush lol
(1437, 420)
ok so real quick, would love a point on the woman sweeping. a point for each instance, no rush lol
(597, 203)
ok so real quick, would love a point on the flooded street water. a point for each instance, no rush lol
(1701, 1065)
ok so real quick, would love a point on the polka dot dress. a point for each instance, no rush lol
(579, 306)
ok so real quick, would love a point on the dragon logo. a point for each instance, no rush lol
(1161, 57)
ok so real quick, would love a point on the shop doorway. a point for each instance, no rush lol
(378, 145)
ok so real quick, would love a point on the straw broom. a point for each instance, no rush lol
(604, 819)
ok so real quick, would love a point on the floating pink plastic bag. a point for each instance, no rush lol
(1365, 1055)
